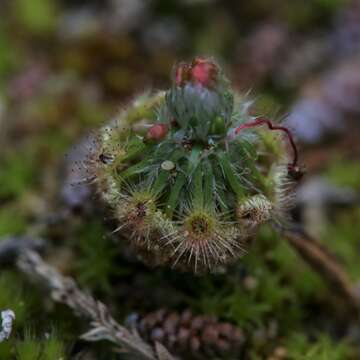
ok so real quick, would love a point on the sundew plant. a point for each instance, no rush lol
(191, 173)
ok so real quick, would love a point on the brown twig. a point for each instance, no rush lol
(103, 325)
(325, 263)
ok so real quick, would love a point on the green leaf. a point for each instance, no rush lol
(175, 194)
(230, 175)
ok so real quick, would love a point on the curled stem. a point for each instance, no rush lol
(271, 126)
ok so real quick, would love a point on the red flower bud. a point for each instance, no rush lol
(157, 132)
(201, 71)
(204, 72)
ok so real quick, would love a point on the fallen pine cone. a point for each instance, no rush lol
(190, 336)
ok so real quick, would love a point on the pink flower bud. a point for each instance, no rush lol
(157, 132)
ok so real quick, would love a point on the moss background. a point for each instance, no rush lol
(67, 66)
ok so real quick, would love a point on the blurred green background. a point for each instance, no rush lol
(66, 66)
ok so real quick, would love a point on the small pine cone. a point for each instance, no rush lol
(190, 336)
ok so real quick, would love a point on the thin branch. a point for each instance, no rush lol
(103, 326)
(324, 263)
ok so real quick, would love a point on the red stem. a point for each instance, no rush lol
(271, 126)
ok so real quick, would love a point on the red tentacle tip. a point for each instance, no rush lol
(296, 172)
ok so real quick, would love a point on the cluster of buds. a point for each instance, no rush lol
(190, 174)
(200, 100)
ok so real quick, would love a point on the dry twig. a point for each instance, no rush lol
(103, 326)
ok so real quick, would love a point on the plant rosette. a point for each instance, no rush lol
(190, 174)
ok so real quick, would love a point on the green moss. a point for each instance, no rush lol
(330, 5)
(342, 236)
(302, 279)
(12, 220)
(12, 296)
(53, 348)
(17, 174)
(302, 15)
(282, 286)
(10, 56)
(37, 16)
(96, 260)
(92, 114)
(300, 348)
(52, 144)
(245, 309)
(344, 173)
(6, 350)
(29, 348)
(16, 296)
